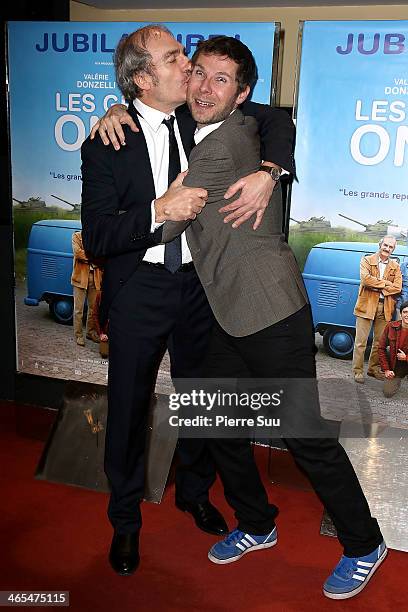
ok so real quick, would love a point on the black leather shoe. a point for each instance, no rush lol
(206, 516)
(124, 553)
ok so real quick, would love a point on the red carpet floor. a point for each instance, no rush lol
(56, 537)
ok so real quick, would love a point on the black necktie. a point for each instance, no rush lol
(172, 250)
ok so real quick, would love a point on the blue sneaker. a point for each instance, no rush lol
(352, 574)
(238, 543)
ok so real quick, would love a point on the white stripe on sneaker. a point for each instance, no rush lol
(363, 571)
(365, 564)
(240, 546)
(357, 577)
(250, 539)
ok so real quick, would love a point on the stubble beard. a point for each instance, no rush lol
(218, 116)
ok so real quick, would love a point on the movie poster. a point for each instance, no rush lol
(61, 79)
(352, 161)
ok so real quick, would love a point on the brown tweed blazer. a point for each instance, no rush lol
(251, 278)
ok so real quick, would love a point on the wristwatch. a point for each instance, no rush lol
(274, 172)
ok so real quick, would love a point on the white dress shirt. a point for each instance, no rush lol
(157, 140)
(381, 267)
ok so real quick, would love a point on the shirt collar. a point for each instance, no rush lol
(152, 116)
(201, 133)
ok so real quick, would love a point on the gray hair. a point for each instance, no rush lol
(131, 57)
(387, 236)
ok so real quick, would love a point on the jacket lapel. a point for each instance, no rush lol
(136, 143)
(187, 127)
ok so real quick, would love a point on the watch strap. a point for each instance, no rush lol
(274, 172)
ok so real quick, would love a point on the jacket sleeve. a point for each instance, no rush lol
(106, 229)
(403, 296)
(404, 275)
(382, 350)
(277, 134)
(367, 279)
(77, 248)
(171, 229)
(210, 167)
(396, 284)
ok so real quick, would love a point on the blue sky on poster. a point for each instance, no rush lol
(51, 99)
(352, 122)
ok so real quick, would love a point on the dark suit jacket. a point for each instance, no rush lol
(251, 278)
(118, 188)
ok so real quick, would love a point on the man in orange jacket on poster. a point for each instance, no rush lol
(86, 280)
(380, 282)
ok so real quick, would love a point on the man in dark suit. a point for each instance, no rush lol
(151, 294)
(263, 328)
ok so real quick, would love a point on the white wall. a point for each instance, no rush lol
(288, 17)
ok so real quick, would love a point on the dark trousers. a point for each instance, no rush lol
(286, 350)
(155, 310)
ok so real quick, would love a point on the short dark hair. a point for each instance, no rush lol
(403, 305)
(131, 57)
(227, 46)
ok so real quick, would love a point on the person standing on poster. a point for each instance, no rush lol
(152, 295)
(380, 282)
(403, 296)
(86, 281)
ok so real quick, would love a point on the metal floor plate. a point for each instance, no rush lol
(380, 462)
